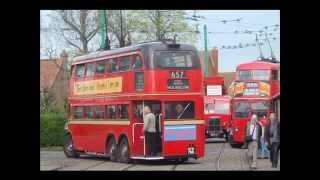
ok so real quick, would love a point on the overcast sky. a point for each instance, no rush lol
(224, 34)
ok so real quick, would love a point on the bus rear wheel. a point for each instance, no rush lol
(124, 151)
(68, 147)
(112, 150)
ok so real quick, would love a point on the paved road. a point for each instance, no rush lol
(219, 156)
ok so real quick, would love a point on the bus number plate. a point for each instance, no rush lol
(177, 74)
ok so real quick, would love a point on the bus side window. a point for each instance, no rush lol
(99, 111)
(123, 111)
(90, 70)
(137, 62)
(77, 112)
(111, 112)
(80, 70)
(124, 63)
(100, 68)
(113, 65)
(89, 112)
(275, 74)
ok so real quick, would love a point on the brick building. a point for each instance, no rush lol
(54, 78)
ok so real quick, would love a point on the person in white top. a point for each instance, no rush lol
(254, 130)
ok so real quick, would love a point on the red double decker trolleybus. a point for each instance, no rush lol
(256, 90)
(108, 90)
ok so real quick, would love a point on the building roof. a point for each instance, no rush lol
(49, 69)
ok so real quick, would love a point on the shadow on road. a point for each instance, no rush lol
(139, 162)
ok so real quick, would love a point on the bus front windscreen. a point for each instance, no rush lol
(175, 59)
(260, 108)
(242, 109)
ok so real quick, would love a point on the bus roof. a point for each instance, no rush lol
(258, 64)
(153, 45)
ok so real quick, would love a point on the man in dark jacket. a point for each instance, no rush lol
(272, 134)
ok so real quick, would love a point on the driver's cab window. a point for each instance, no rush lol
(179, 110)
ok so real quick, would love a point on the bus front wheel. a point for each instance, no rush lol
(112, 150)
(124, 151)
(68, 147)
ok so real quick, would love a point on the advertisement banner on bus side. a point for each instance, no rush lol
(179, 132)
(106, 85)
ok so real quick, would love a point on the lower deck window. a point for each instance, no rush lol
(77, 112)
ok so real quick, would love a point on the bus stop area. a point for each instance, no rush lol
(219, 156)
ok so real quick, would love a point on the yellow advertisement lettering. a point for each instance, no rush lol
(106, 85)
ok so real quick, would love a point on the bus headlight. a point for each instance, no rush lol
(236, 129)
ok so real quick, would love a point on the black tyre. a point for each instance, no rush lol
(124, 152)
(68, 147)
(112, 149)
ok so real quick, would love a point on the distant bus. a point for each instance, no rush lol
(108, 90)
(256, 91)
(217, 110)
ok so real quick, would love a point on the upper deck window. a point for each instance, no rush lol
(174, 59)
(113, 65)
(124, 63)
(90, 70)
(137, 62)
(80, 70)
(100, 68)
(244, 75)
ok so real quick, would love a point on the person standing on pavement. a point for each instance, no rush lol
(149, 129)
(263, 151)
(273, 138)
(253, 134)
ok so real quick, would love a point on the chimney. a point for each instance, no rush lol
(214, 61)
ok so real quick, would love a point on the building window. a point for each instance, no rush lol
(123, 111)
(111, 112)
(89, 112)
(124, 63)
(80, 70)
(77, 112)
(100, 68)
(90, 70)
(99, 110)
(137, 62)
(179, 110)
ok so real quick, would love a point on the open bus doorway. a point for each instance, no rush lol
(140, 143)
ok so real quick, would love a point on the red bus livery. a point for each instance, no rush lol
(216, 107)
(256, 90)
(108, 90)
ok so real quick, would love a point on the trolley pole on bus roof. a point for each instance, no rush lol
(206, 62)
